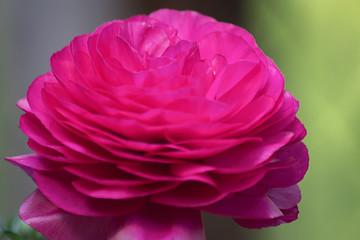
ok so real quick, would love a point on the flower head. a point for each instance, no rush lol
(146, 122)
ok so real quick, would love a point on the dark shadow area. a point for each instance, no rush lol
(226, 11)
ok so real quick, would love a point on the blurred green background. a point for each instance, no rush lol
(316, 44)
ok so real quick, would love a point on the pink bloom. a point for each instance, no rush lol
(146, 122)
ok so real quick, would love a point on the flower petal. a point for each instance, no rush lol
(293, 174)
(232, 47)
(96, 190)
(246, 157)
(152, 222)
(189, 194)
(289, 215)
(285, 198)
(56, 224)
(185, 22)
(245, 207)
(23, 105)
(56, 186)
(162, 223)
(35, 161)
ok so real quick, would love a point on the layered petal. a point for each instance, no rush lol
(289, 215)
(293, 174)
(56, 185)
(152, 222)
(185, 22)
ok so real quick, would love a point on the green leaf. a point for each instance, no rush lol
(16, 229)
(13, 236)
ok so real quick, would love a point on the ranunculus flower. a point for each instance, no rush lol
(146, 122)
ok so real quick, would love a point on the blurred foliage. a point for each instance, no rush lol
(316, 44)
(15, 229)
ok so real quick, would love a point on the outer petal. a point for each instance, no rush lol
(34, 97)
(24, 105)
(33, 161)
(285, 198)
(185, 22)
(152, 222)
(56, 186)
(295, 173)
(214, 26)
(289, 215)
(249, 207)
(162, 223)
(56, 224)
(248, 156)
(189, 194)
(233, 47)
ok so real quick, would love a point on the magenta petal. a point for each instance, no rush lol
(233, 47)
(56, 224)
(35, 100)
(56, 186)
(28, 170)
(105, 72)
(149, 39)
(153, 222)
(231, 183)
(282, 118)
(189, 194)
(96, 190)
(24, 105)
(116, 48)
(63, 67)
(162, 223)
(33, 128)
(285, 198)
(249, 207)
(189, 169)
(242, 75)
(289, 215)
(293, 174)
(248, 156)
(298, 129)
(186, 22)
(34, 161)
(275, 83)
(213, 26)
(105, 174)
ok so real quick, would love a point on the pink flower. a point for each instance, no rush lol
(146, 122)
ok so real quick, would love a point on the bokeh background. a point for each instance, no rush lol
(316, 44)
